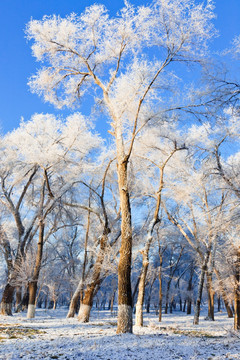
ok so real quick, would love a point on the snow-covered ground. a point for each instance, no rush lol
(51, 336)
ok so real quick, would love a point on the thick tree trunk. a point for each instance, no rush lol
(189, 307)
(7, 300)
(74, 302)
(237, 294)
(124, 267)
(32, 297)
(86, 304)
(210, 297)
(34, 281)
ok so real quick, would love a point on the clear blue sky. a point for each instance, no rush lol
(17, 63)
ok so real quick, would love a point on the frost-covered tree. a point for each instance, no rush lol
(122, 61)
(43, 160)
(153, 150)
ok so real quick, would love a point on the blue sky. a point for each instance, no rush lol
(17, 63)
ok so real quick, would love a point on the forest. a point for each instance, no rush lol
(131, 202)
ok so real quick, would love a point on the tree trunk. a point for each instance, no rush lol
(87, 302)
(180, 303)
(189, 292)
(18, 299)
(210, 297)
(141, 292)
(74, 301)
(237, 294)
(167, 295)
(189, 307)
(184, 305)
(160, 286)
(125, 261)
(112, 301)
(219, 303)
(7, 300)
(32, 297)
(200, 288)
(224, 295)
(34, 281)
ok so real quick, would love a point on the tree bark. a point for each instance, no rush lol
(141, 292)
(125, 261)
(34, 281)
(189, 289)
(200, 288)
(74, 301)
(237, 293)
(7, 300)
(210, 297)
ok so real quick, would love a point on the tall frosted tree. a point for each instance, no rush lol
(121, 62)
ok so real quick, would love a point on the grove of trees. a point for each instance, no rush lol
(148, 214)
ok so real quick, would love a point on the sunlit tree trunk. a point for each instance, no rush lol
(141, 291)
(125, 261)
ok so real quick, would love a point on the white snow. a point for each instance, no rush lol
(61, 338)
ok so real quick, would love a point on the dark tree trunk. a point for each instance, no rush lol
(189, 290)
(219, 303)
(210, 297)
(237, 294)
(7, 300)
(34, 281)
(200, 287)
(160, 286)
